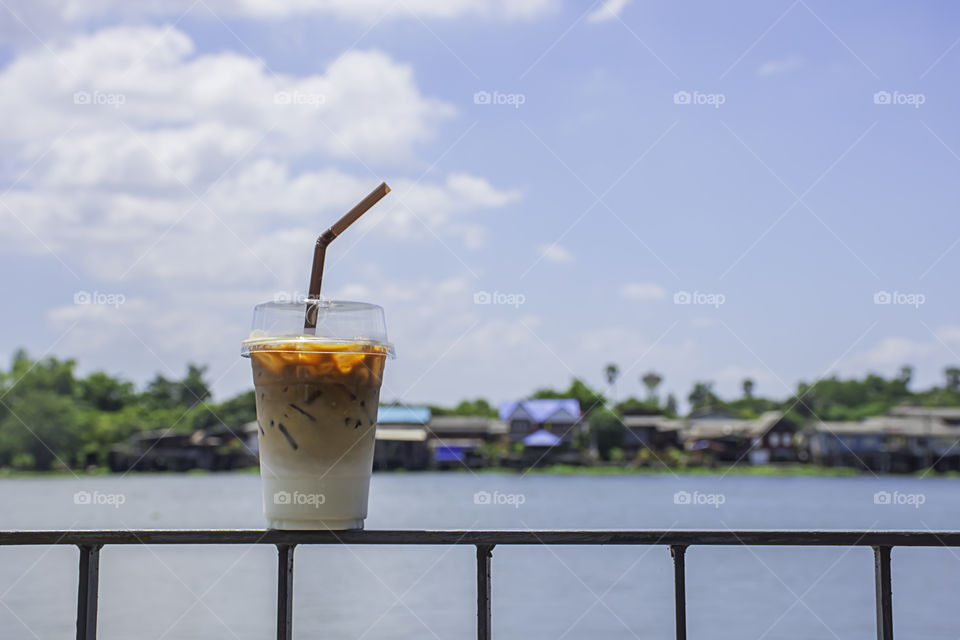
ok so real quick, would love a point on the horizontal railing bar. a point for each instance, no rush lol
(496, 537)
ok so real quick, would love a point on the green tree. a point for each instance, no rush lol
(105, 393)
(747, 385)
(581, 392)
(478, 407)
(702, 397)
(233, 412)
(952, 375)
(40, 418)
(608, 430)
(651, 380)
(670, 406)
(835, 399)
(905, 375)
(637, 406)
(194, 389)
(163, 393)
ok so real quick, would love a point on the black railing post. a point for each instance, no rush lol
(484, 554)
(881, 563)
(285, 591)
(678, 551)
(88, 591)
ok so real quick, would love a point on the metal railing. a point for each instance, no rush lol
(90, 543)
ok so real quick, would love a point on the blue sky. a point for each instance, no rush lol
(182, 157)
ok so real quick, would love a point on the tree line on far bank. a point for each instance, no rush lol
(51, 418)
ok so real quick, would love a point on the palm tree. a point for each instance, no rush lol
(651, 380)
(747, 388)
(612, 372)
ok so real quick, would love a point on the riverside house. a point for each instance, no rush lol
(559, 416)
(768, 438)
(402, 438)
(216, 449)
(646, 431)
(906, 440)
(456, 440)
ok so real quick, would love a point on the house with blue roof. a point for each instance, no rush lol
(559, 416)
(393, 415)
(401, 440)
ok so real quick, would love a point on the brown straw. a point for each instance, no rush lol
(320, 250)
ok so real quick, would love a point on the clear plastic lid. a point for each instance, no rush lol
(279, 326)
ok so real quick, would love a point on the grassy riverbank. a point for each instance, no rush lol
(739, 470)
(557, 470)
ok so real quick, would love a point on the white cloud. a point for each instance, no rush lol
(50, 19)
(609, 10)
(642, 291)
(928, 354)
(115, 191)
(555, 253)
(138, 104)
(112, 189)
(777, 67)
(352, 9)
(636, 351)
(895, 351)
(417, 209)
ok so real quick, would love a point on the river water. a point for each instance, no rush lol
(429, 592)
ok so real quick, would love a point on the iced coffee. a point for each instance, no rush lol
(317, 399)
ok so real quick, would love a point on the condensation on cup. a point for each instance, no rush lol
(318, 391)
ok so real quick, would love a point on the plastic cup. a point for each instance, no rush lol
(318, 391)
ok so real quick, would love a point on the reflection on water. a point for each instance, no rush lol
(569, 592)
